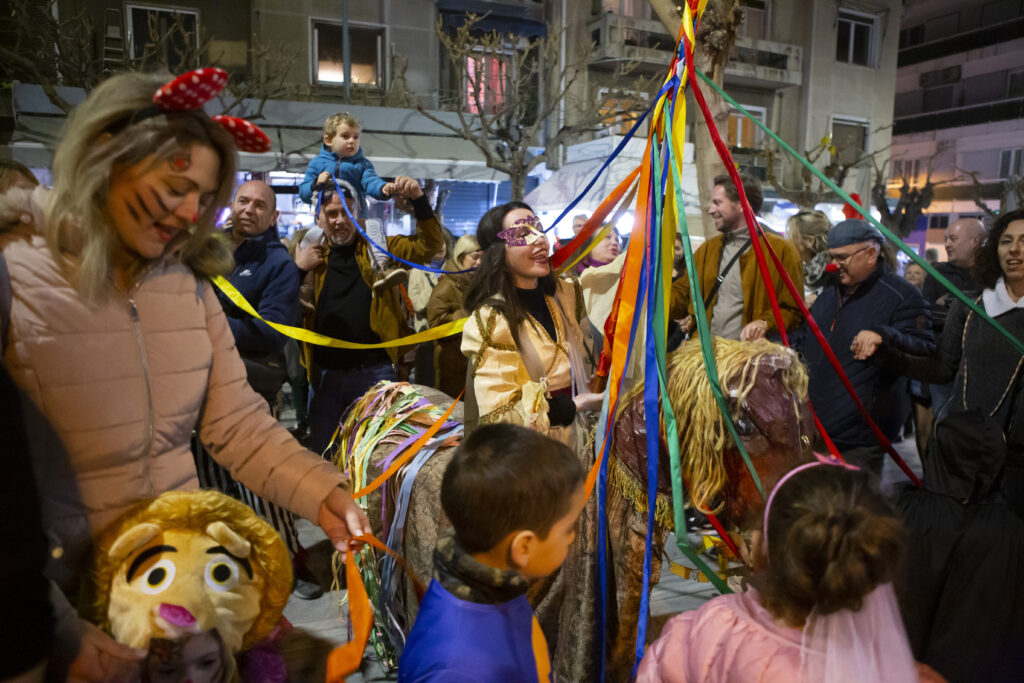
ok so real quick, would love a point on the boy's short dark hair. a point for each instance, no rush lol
(505, 478)
(751, 185)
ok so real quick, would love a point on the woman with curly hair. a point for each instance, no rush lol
(986, 370)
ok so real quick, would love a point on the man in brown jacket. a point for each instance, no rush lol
(342, 304)
(732, 287)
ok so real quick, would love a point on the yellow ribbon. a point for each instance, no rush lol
(304, 335)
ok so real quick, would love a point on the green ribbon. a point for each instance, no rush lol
(979, 310)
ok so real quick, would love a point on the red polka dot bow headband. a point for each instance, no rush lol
(189, 92)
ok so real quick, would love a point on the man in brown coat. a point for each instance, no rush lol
(342, 304)
(732, 288)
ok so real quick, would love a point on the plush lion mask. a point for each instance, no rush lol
(186, 563)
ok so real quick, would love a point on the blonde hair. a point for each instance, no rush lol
(464, 245)
(811, 227)
(335, 120)
(93, 147)
(698, 417)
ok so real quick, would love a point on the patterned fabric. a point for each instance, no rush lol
(814, 272)
(469, 580)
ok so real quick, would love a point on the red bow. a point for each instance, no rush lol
(192, 90)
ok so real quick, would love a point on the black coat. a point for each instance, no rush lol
(886, 304)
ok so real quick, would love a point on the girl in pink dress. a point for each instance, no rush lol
(821, 608)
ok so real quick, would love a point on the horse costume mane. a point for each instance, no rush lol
(698, 419)
(187, 563)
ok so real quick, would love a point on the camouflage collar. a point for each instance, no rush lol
(469, 580)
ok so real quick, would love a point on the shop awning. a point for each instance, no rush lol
(397, 141)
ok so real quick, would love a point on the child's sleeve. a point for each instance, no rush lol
(306, 186)
(373, 184)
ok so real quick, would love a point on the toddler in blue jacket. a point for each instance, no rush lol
(341, 157)
(513, 497)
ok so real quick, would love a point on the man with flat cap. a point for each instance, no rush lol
(863, 305)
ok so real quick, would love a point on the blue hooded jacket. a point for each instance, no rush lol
(268, 278)
(356, 169)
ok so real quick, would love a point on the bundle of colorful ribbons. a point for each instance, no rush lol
(641, 303)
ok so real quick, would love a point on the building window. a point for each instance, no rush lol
(641, 9)
(1010, 163)
(849, 138)
(486, 81)
(999, 12)
(1015, 84)
(613, 105)
(163, 37)
(754, 23)
(938, 221)
(905, 168)
(366, 54)
(855, 38)
(909, 37)
(742, 132)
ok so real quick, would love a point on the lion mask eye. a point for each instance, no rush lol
(221, 573)
(157, 578)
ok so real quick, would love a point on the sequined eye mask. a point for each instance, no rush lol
(524, 232)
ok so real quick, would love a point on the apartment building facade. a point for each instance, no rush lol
(959, 110)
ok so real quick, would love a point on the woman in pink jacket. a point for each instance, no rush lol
(113, 331)
(822, 609)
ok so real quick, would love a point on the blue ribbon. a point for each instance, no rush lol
(602, 486)
(615, 153)
(383, 249)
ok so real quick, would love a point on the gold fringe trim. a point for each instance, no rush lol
(633, 491)
(502, 410)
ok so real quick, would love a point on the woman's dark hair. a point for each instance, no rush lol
(492, 283)
(832, 539)
(987, 270)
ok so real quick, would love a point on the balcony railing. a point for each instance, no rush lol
(644, 42)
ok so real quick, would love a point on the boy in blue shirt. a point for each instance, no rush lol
(513, 497)
(341, 157)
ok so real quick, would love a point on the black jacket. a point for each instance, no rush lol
(268, 278)
(886, 304)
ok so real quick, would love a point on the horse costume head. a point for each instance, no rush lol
(188, 563)
(766, 388)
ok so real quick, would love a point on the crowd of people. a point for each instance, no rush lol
(128, 374)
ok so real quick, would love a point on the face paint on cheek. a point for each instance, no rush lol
(180, 163)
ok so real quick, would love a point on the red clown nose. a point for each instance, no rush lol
(831, 268)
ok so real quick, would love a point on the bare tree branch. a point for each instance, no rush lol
(499, 104)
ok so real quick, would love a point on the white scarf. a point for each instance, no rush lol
(998, 301)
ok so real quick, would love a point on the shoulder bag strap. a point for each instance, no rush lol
(723, 272)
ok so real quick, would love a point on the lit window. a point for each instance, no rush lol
(163, 37)
(614, 103)
(485, 84)
(742, 131)
(855, 37)
(366, 54)
(850, 139)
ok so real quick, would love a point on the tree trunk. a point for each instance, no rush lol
(518, 181)
(714, 42)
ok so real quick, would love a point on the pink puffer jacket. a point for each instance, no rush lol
(123, 386)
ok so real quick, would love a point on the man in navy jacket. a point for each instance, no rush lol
(863, 305)
(268, 278)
